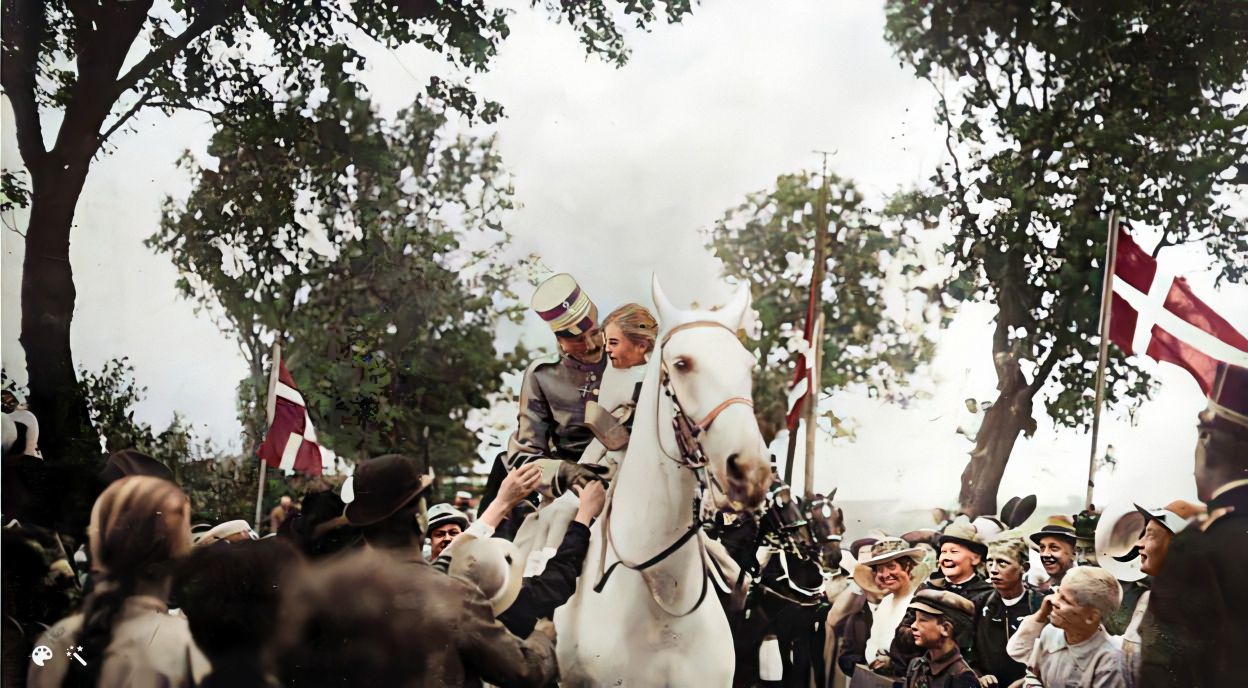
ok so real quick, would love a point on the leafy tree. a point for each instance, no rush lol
(1056, 113)
(367, 249)
(770, 241)
(63, 66)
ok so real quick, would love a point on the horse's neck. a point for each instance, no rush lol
(653, 496)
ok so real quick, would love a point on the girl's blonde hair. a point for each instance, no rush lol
(636, 323)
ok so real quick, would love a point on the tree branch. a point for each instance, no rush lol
(125, 117)
(211, 15)
(23, 22)
(1043, 370)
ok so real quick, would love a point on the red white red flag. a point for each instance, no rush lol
(291, 441)
(1156, 314)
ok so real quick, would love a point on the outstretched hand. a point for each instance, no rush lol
(519, 484)
(593, 497)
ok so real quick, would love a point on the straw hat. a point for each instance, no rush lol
(493, 564)
(889, 549)
(1056, 526)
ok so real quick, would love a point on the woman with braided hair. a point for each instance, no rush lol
(125, 635)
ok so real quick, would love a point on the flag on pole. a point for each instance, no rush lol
(1156, 313)
(291, 442)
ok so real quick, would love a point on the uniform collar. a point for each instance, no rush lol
(571, 362)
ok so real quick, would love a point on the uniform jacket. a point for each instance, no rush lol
(552, 409)
(993, 627)
(1196, 627)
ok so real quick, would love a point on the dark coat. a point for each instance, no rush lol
(993, 627)
(903, 650)
(1196, 627)
(949, 671)
(542, 594)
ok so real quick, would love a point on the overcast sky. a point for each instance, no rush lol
(617, 171)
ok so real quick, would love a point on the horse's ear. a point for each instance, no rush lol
(832, 494)
(732, 315)
(668, 314)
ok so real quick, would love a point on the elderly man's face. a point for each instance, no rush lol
(927, 630)
(586, 348)
(1057, 555)
(1085, 552)
(957, 562)
(1153, 547)
(1005, 573)
(441, 536)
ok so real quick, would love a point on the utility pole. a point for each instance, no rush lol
(817, 276)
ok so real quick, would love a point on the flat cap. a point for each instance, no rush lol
(944, 603)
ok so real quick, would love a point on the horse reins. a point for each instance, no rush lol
(691, 455)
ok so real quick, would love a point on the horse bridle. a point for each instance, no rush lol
(690, 455)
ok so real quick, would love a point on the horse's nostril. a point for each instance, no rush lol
(734, 469)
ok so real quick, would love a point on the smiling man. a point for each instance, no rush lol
(961, 553)
(1056, 542)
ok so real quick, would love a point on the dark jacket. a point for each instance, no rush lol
(903, 650)
(993, 627)
(449, 634)
(542, 594)
(949, 671)
(1196, 627)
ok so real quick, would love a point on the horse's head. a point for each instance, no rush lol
(710, 372)
(827, 525)
(785, 523)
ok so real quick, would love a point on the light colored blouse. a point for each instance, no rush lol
(150, 648)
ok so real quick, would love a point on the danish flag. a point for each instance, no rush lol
(1156, 314)
(291, 441)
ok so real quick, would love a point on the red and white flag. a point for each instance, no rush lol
(1156, 314)
(291, 442)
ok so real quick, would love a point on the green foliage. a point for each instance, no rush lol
(770, 240)
(1058, 112)
(368, 249)
(13, 192)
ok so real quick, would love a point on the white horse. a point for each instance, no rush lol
(655, 623)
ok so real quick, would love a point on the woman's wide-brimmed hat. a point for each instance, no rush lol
(383, 485)
(885, 550)
(493, 564)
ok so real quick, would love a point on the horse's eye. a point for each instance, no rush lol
(682, 364)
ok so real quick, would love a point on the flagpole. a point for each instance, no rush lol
(1107, 288)
(812, 411)
(270, 408)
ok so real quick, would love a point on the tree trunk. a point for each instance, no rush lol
(48, 309)
(1009, 416)
(981, 478)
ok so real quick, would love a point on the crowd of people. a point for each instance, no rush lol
(386, 589)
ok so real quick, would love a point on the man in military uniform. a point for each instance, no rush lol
(1195, 628)
(551, 428)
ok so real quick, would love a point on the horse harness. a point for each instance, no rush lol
(690, 455)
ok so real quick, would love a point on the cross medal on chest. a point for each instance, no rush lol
(586, 389)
